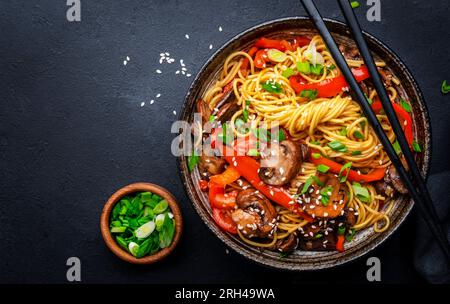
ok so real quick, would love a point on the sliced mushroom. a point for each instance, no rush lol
(386, 76)
(393, 178)
(204, 110)
(255, 216)
(313, 201)
(211, 164)
(227, 111)
(384, 188)
(326, 242)
(280, 163)
(288, 244)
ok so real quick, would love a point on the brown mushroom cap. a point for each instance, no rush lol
(211, 164)
(280, 163)
(255, 216)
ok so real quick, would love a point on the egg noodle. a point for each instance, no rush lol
(314, 123)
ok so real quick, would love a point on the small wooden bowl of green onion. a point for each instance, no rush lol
(141, 223)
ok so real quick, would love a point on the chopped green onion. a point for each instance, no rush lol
(118, 229)
(341, 230)
(318, 181)
(311, 94)
(245, 112)
(405, 105)
(396, 147)
(314, 142)
(318, 236)
(307, 184)
(370, 101)
(354, 4)
(272, 87)
(288, 72)
(343, 178)
(317, 69)
(325, 199)
(316, 155)
(358, 135)
(212, 118)
(337, 146)
(323, 168)
(276, 55)
(350, 235)
(361, 192)
(356, 152)
(445, 88)
(304, 67)
(332, 67)
(193, 161)
(253, 152)
(416, 147)
(279, 137)
(343, 131)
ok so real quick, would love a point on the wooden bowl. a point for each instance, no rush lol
(365, 240)
(133, 188)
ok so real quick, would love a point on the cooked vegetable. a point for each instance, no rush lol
(272, 87)
(404, 117)
(322, 168)
(416, 147)
(445, 88)
(248, 168)
(280, 163)
(327, 87)
(405, 105)
(354, 4)
(361, 192)
(288, 72)
(353, 175)
(304, 67)
(276, 55)
(310, 94)
(337, 146)
(142, 223)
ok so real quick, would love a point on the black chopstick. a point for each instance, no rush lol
(429, 216)
(353, 23)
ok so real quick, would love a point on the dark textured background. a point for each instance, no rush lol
(72, 130)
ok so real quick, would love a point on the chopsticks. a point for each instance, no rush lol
(422, 198)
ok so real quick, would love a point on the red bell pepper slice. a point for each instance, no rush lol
(340, 243)
(203, 184)
(300, 41)
(248, 168)
(224, 220)
(227, 177)
(266, 43)
(402, 114)
(353, 175)
(260, 59)
(327, 87)
(219, 199)
(251, 52)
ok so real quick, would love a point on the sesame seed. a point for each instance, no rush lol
(152, 101)
(187, 36)
(220, 28)
(158, 95)
(128, 58)
(142, 103)
(210, 46)
(125, 62)
(158, 71)
(174, 112)
(188, 75)
(177, 72)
